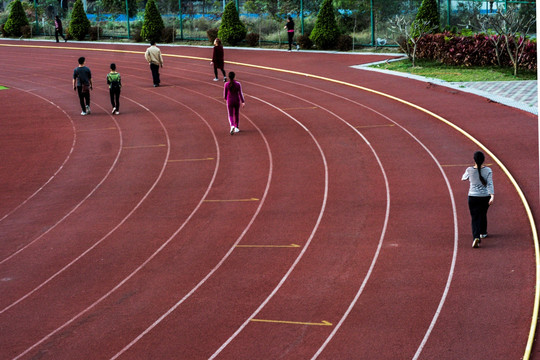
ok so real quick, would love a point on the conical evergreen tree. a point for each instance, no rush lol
(326, 31)
(428, 16)
(16, 20)
(79, 24)
(232, 30)
(153, 23)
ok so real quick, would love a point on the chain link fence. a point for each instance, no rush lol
(368, 22)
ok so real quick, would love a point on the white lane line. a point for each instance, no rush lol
(306, 246)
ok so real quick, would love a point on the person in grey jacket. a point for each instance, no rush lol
(481, 196)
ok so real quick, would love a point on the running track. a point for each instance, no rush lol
(334, 226)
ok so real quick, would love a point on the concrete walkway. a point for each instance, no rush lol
(519, 94)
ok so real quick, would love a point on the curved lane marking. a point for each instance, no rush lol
(61, 166)
(524, 201)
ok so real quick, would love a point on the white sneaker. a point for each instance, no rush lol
(88, 109)
(225, 79)
(216, 79)
(113, 110)
(232, 130)
(236, 130)
(476, 243)
(117, 112)
(83, 113)
(483, 236)
(297, 47)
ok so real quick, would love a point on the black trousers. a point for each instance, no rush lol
(155, 73)
(115, 98)
(216, 69)
(478, 207)
(84, 98)
(59, 32)
(291, 39)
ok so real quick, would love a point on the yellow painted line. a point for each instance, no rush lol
(269, 246)
(374, 126)
(183, 160)
(102, 129)
(233, 200)
(144, 146)
(322, 323)
(521, 195)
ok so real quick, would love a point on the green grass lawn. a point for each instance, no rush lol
(455, 73)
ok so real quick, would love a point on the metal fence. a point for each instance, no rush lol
(367, 21)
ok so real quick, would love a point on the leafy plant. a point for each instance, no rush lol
(153, 23)
(232, 30)
(16, 20)
(326, 32)
(79, 26)
(426, 18)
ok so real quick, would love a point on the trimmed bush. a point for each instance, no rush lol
(79, 26)
(16, 21)
(428, 13)
(252, 39)
(326, 32)
(344, 43)
(304, 41)
(232, 30)
(95, 33)
(153, 23)
(168, 34)
(212, 34)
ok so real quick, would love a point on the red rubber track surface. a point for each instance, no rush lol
(333, 226)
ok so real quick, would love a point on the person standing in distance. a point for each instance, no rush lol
(58, 29)
(481, 196)
(82, 83)
(218, 60)
(115, 84)
(154, 58)
(290, 33)
(232, 92)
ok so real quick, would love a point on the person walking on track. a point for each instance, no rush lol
(82, 83)
(290, 33)
(115, 84)
(481, 196)
(218, 60)
(154, 58)
(58, 29)
(233, 95)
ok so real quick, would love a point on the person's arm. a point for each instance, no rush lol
(75, 79)
(241, 95)
(490, 187)
(465, 175)
(90, 79)
(160, 59)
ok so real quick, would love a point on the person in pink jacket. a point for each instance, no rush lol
(232, 92)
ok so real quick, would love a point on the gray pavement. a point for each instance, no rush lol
(518, 94)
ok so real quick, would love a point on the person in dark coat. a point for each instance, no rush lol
(58, 29)
(218, 60)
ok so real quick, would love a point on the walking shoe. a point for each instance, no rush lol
(297, 47)
(225, 79)
(216, 79)
(232, 130)
(88, 109)
(476, 243)
(236, 130)
(117, 113)
(483, 236)
(113, 110)
(83, 113)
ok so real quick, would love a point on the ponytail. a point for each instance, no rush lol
(479, 160)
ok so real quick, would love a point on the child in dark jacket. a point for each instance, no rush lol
(115, 84)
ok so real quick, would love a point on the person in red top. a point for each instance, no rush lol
(218, 60)
(232, 92)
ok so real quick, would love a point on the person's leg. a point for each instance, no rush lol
(237, 115)
(155, 73)
(484, 207)
(111, 96)
(215, 72)
(56, 34)
(290, 35)
(223, 72)
(475, 208)
(81, 98)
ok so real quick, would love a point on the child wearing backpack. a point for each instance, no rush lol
(115, 84)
